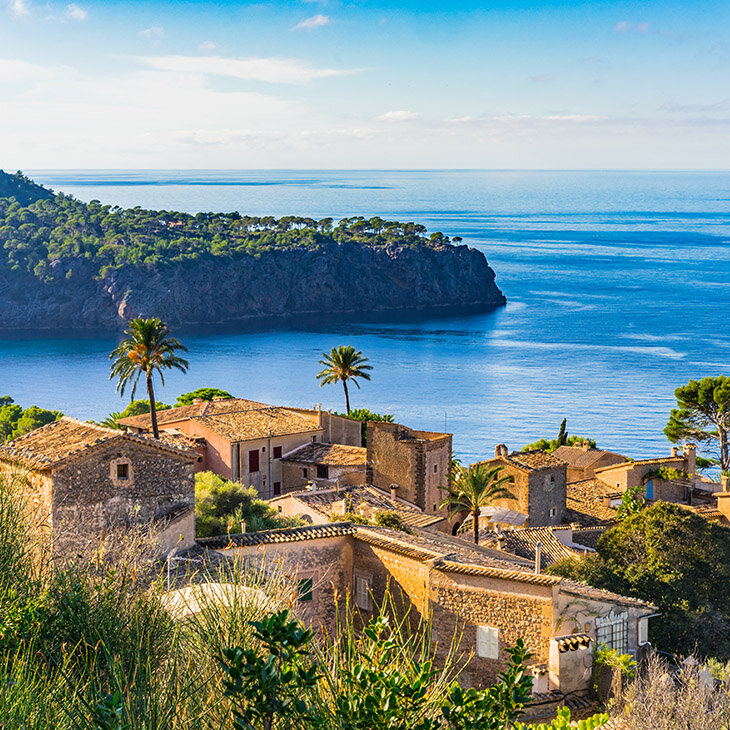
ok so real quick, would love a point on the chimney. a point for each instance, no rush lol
(243, 526)
(337, 486)
(393, 491)
(586, 445)
(689, 451)
(675, 451)
(725, 481)
(500, 450)
(538, 557)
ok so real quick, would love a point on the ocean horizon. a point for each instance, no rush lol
(617, 286)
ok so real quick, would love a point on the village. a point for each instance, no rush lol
(334, 475)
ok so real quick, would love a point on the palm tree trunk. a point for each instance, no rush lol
(153, 407)
(475, 515)
(347, 396)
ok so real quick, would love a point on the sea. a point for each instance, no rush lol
(617, 286)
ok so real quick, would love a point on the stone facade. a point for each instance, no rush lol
(416, 461)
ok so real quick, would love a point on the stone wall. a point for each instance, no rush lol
(88, 499)
(519, 610)
(547, 496)
(38, 489)
(293, 479)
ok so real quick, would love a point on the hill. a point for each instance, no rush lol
(74, 265)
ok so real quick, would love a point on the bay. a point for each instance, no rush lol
(618, 289)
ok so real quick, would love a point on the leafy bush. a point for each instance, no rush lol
(365, 415)
(552, 444)
(186, 399)
(221, 506)
(15, 421)
(391, 519)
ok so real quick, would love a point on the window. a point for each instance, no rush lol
(553, 511)
(612, 631)
(322, 471)
(314, 439)
(362, 593)
(123, 471)
(643, 631)
(305, 473)
(435, 468)
(277, 489)
(277, 452)
(304, 589)
(253, 460)
(488, 642)
(650, 489)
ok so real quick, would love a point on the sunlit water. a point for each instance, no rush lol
(618, 289)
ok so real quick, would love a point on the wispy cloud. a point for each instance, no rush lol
(75, 12)
(154, 31)
(207, 46)
(12, 69)
(671, 106)
(270, 70)
(623, 26)
(18, 7)
(316, 21)
(397, 116)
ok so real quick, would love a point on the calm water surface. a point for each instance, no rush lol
(618, 286)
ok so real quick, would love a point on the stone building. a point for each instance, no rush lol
(583, 461)
(489, 598)
(540, 480)
(321, 505)
(414, 463)
(85, 479)
(323, 465)
(245, 440)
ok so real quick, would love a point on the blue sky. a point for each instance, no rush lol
(329, 84)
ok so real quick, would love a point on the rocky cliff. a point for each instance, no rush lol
(338, 278)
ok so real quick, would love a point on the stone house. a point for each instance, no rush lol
(488, 597)
(414, 463)
(84, 480)
(323, 465)
(321, 505)
(583, 461)
(540, 480)
(245, 440)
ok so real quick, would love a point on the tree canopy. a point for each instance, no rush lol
(186, 399)
(343, 364)
(40, 230)
(16, 420)
(675, 559)
(703, 415)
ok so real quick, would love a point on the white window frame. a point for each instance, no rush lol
(362, 592)
(612, 631)
(487, 642)
(642, 631)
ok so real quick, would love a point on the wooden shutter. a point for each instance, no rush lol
(253, 460)
(487, 642)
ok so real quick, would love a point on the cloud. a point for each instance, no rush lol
(270, 70)
(19, 7)
(153, 32)
(397, 116)
(75, 12)
(623, 26)
(316, 21)
(15, 70)
(207, 46)
(671, 106)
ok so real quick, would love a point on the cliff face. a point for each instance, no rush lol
(336, 278)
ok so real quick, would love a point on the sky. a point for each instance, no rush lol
(366, 84)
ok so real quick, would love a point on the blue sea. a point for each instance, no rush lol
(618, 290)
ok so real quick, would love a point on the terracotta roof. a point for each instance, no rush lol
(329, 502)
(530, 460)
(268, 537)
(586, 502)
(183, 413)
(708, 511)
(589, 536)
(632, 462)
(572, 642)
(329, 454)
(523, 542)
(581, 458)
(256, 423)
(68, 439)
(583, 590)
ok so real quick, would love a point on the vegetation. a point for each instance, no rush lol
(365, 415)
(563, 439)
(187, 399)
(148, 349)
(16, 420)
(342, 365)
(666, 473)
(42, 233)
(135, 408)
(383, 518)
(472, 488)
(221, 506)
(703, 415)
(631, 503)
(673, 558)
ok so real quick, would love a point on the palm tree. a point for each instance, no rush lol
(147, 349)
(473, 488)
(342, 364)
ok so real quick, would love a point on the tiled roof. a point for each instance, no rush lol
(532, 460)
(586, 502)
(67, 439)
(523, 542)
(632, 462)
(332, 502)
(572, 642)
(708, 511)
(256, 423)
(329, 454)
(183, 413)
(523, 576)
(589, 536)
(583, 590)
(269, 537)
(581, 458)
